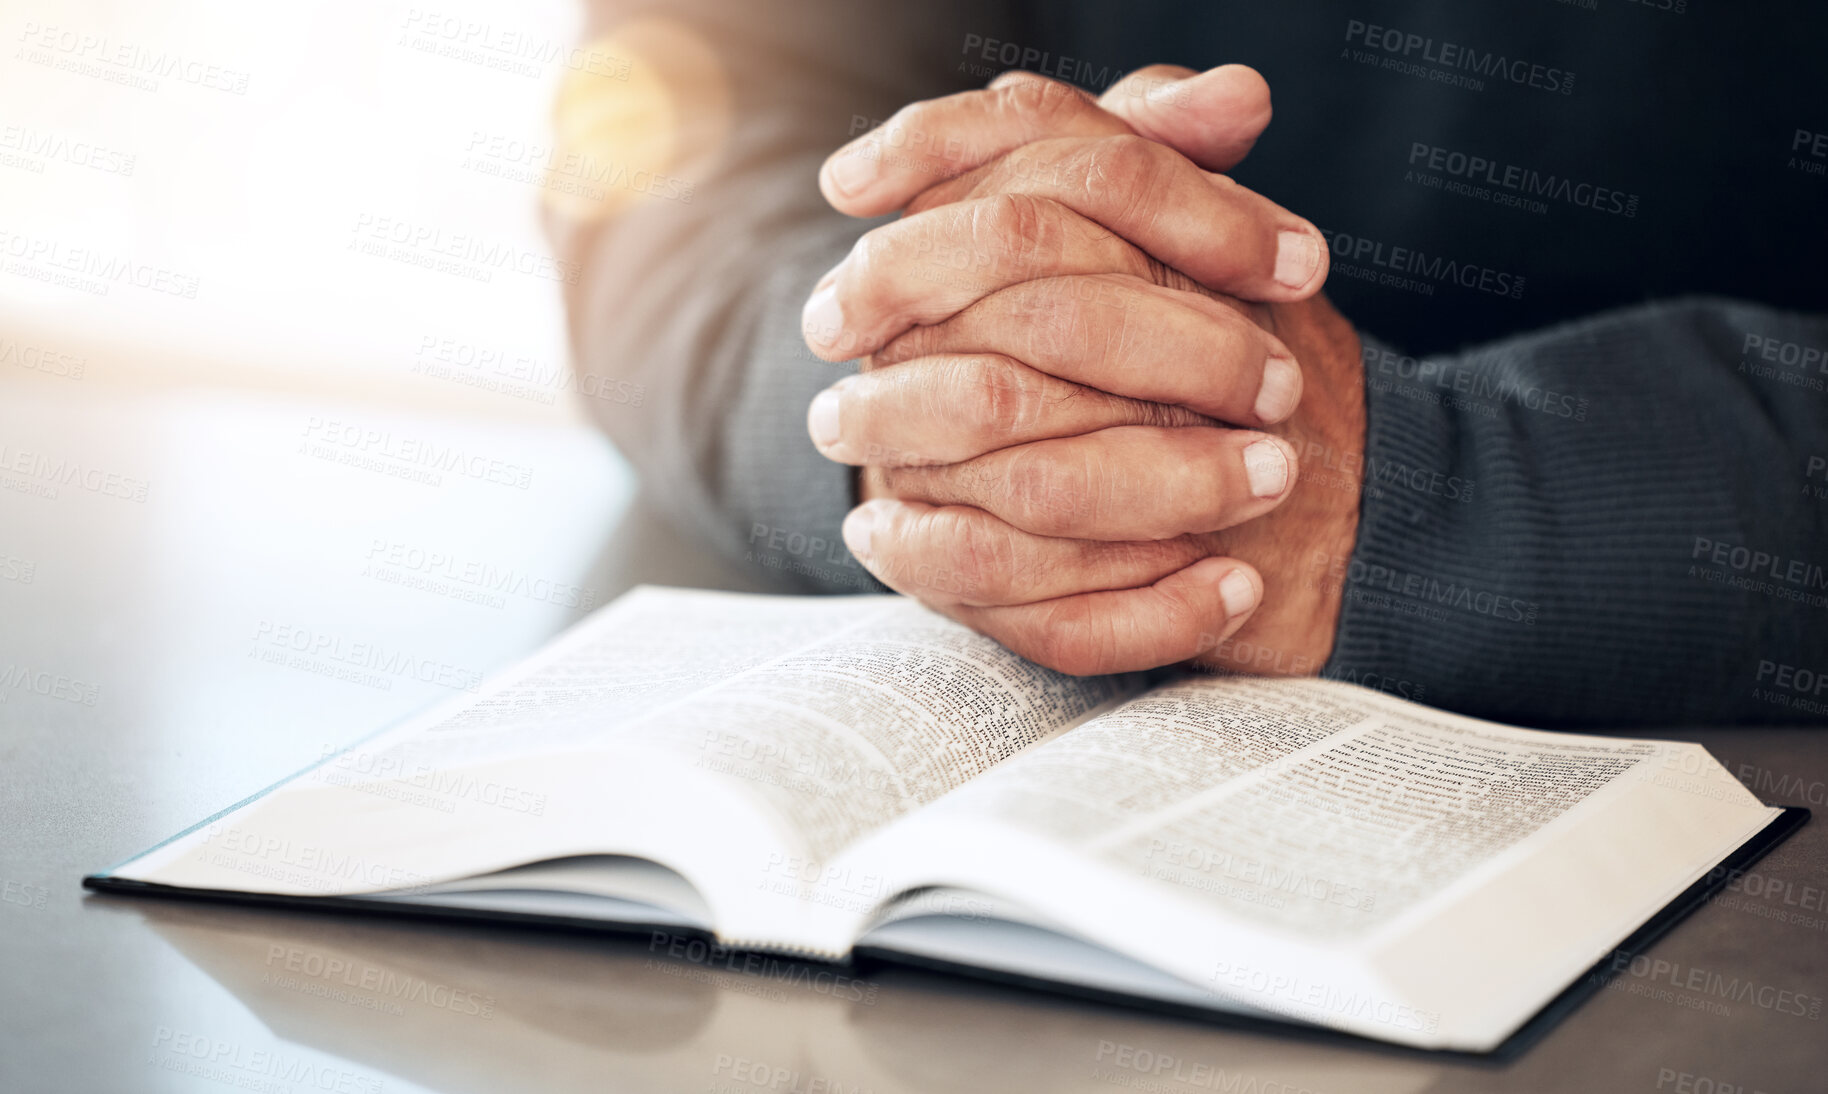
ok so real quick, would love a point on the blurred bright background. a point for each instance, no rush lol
(241, 163)
(289, 444)
(262, 269)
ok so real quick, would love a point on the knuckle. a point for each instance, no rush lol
(1030, 488)
(1021, 227)
(867, 415)
(1001, 398)
(1201, 498)
(1045, 100)
(1211, 504)
(1129, 163)
(981, 555)
(1055, 324)
(907, 129)
(1068, 641)
(1225, 184)
(1128, 175)
(1175, 617)
(1184, 483)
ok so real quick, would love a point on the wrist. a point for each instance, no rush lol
(1303, 544)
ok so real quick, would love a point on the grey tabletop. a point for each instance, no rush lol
(145, 684)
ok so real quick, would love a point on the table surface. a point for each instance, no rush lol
(134, 604)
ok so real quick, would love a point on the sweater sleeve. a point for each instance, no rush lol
(1622, 520)
(686, 307)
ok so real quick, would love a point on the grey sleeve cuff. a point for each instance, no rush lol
(787, 500)
(1608, 522)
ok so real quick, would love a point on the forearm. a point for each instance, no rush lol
(1567, 527)
(688, 310)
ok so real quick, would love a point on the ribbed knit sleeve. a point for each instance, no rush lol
(1618, 521)
(688, 309)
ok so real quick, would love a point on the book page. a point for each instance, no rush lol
(650, 648)
(1297, 804)
(1326, 852)
(849, 733)
(740, 740)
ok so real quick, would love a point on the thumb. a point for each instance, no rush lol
(1213, 117)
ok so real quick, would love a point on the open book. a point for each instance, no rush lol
(830, 777)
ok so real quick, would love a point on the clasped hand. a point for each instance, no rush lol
(1091, 367)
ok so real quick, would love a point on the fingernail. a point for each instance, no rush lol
(822, 418)
(1238, 592)
(1297, 257)
(1280, 392)
(823, 318)
(1266, 466)
(853, 168)
(857, 528)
